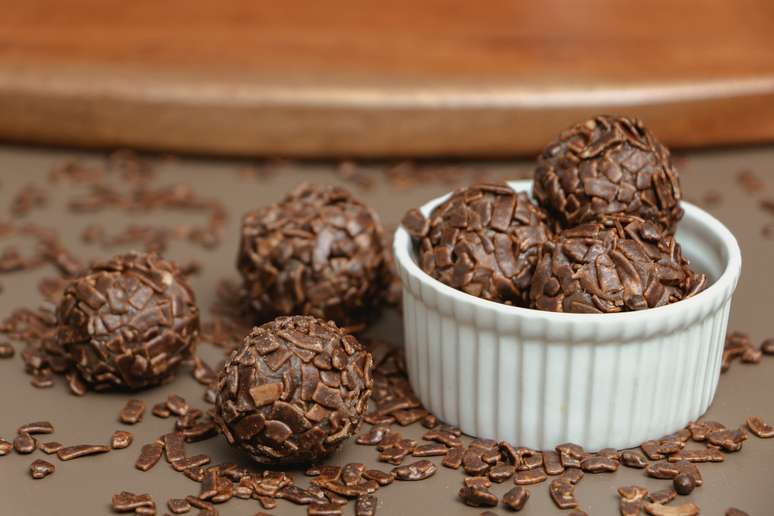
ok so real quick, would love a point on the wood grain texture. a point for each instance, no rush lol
(358, 78)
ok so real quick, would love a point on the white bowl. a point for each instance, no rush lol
(538, 379)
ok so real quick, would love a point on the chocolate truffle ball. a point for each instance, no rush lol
(608, 165)
(317, 252)
(622, 265)
(294, 391)
(483, 240)
(129, 322)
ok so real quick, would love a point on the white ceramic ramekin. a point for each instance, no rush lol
(538, 379)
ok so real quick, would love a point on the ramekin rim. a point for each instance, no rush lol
(720, 288)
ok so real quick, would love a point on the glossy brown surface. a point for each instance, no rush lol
(87, 484)
(355, 78)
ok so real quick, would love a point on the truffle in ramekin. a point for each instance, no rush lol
(626, 264)
(608, 165)
(483, 240)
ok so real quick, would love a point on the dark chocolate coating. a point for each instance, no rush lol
(318, 252)
(129, 322)
(294, 391)
(623, 265)
(483, 240)
(608, 165)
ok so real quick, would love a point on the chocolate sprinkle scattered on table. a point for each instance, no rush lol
(149, 456)
(24, 443)
(6, 350)
(132, 412)
(51, 447)
(41, 469)
(121, 439)
(130, 502)
(81, 450)
(38, 427)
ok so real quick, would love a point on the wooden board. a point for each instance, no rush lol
(355, 78)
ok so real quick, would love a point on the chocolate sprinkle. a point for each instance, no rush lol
(149, 456)
(121, 439)
(24, 443)
(81, 450)
(129, 502)
(41, 469)
(51, 447)
(6, 350)
(132, 412)
(38, 427)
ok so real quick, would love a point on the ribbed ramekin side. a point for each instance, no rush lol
(718, 341)
(537, 385)
(449, 365)
(409, 332)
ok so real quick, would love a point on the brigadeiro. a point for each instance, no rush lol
(129, 322)
(483, 240)
(620, 265)
(294, 391)
(608, 165)
(317, 252)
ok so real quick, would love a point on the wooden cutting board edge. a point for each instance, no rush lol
(261, 120)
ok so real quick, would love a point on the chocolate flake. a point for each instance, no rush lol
(516, 498)
(51, 447)
(6, 350)
(121, 439)
(656, 509)
(149, 456)
(418, 470)
(760, 428)
(81, 450)
(41, 469)
(132, 412)
(38, 427)
(24, 443)
(129, 502)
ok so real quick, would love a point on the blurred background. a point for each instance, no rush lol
(347, 78)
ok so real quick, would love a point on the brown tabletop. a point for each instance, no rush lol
(85, 486)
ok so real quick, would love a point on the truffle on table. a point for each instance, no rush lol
(317, 252)
(608, 165)
(483, 240)
(622, 265)
(129, 322)
(294, 391)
